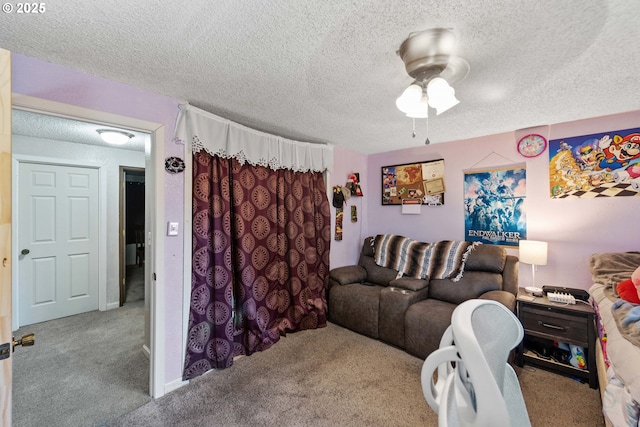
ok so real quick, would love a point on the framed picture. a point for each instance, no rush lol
(605, 164)
(494, 206)
(422, 181)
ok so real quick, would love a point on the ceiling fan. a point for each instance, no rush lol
(429, 57)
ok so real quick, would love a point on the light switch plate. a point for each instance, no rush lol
(172, 229)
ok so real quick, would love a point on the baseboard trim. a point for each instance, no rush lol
(174, 385)
(112, 305)
(146, 352)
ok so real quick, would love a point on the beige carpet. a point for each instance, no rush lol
(134, 283)
(83, 370)
(335, 377)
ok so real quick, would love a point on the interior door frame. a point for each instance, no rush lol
(154, 178)
(122, 227)
(16, 160)
(6, 253)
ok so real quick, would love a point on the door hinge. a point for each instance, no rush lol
(154, 276)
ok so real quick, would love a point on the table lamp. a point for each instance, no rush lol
(535, 253)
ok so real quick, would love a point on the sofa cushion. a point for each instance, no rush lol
(471, 285)
(376, 274)
(348, 274)
(489, 258)
(505, 298)
(424, 324)
(355, 306)
(409, 283)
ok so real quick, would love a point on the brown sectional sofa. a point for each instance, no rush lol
(413, 313)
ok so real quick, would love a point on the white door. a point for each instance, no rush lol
(58, 241)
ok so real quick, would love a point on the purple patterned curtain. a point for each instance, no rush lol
(260, 259)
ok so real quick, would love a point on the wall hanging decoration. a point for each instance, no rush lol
(603, 164)
(423, 181)
(353, 184)
(174, 165)
(338, 203)
(494, 201)
(531, 145)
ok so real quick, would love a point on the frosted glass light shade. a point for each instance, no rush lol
(438, 88)
(533, 252)
(115, 137)
(441, 96)
(421, 110)
(410, 98)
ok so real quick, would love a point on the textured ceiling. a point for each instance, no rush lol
(37, 125)
(328, 72)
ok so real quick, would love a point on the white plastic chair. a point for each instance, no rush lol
(475, 385)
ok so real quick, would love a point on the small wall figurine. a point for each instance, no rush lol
(353, 184)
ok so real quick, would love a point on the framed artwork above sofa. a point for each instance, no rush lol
(423, 181)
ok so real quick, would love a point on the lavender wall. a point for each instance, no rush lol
(346, 251)
(44, 80)
(574, 228)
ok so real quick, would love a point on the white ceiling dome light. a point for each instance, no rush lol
(115, 137)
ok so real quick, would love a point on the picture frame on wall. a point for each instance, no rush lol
(494, 205)
(605, 164)
(423, 181)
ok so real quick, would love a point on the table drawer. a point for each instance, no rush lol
(560, 325)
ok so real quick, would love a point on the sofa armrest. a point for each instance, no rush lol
(409, 283)
(348, 274)
(504, 297)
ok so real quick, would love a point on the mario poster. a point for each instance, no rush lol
(598, 165)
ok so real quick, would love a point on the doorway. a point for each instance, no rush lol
(66, 161)
(132, 236)
(154, 154)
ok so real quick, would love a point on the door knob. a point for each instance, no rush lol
(25, 251)
(25, 341)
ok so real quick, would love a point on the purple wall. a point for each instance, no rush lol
(45, 80)
(346, 251)
(574, 228)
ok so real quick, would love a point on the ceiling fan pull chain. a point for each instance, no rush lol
(414, 128)
(427, 142)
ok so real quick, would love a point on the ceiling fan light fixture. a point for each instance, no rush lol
(115, 137)
(410, 98)
(419, 110)
(429, 57)
(446, 104)
(441, 96)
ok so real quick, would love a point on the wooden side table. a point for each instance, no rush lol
(545, 321)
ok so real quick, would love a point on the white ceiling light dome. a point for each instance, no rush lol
(115, 137)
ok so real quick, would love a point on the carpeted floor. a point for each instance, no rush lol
(134, 281)
(89, 370)
(83, 370)
(335, 377)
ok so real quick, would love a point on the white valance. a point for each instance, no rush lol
(201, 130)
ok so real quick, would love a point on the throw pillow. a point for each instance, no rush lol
(635, 278)
(628, 292)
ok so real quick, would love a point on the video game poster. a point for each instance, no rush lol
(597, 165)
(494, 202)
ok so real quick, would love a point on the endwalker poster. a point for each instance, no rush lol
(494, 206)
